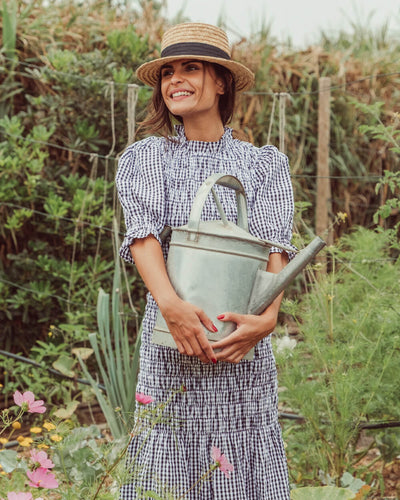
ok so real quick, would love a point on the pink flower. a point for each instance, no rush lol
(27, 400)
(41, 458)
(143, 399)
(19, 496)
(41, 478)
(221, 461)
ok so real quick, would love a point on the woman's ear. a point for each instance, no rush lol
(220, 86)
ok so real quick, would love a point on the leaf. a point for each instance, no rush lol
(10, 29)
(8, 460)
(322, 493)
(68, 411)
(352, 483)
(82, 352)
(64, 364)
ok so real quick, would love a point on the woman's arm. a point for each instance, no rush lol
(184, 320)
(250, 328)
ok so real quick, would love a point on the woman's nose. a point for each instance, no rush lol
(176, 77)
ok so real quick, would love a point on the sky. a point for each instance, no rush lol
(301, 20)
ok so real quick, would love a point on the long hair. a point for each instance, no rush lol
(160, 120)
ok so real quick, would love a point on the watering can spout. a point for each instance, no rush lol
(267, 286)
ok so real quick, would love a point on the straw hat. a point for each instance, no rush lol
(199, 41)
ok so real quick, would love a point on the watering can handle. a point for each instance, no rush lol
(204, 190)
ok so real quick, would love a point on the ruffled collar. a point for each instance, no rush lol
(200, 146)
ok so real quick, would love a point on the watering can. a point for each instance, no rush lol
(219, 266)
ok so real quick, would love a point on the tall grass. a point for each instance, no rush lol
(342, 372)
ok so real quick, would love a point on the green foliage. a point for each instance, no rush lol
(9, 25)
(344, 373)
(390, 182)
(323, 493)
(376, 128)
(51, 226)
(127, 46)
(117, 362)
(80, 455)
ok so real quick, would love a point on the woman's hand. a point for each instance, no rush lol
(185, 323)
(250, 330)
(184, 320)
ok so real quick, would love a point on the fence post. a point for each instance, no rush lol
(323, 206)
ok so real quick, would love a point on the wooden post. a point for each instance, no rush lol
(323, 201)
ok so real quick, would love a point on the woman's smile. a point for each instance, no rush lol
(178, 93)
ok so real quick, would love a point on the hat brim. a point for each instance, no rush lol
(149, 72)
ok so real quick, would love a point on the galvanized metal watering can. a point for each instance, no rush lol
(220, 267)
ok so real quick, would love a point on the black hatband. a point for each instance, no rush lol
(194, 49)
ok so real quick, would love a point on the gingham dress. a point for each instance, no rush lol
(230, 406)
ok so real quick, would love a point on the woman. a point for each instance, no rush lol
(229, 403)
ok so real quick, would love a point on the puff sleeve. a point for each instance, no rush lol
(140, 186)
(273, 209)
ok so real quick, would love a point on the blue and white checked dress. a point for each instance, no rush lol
(231, 406)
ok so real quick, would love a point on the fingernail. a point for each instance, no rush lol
(214, 361)
(221, 316)
(214, 328)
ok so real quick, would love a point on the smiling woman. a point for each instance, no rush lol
(230, 403)
(160, 116)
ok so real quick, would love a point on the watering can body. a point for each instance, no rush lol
(219, 266)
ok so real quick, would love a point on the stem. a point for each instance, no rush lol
(108, 471)
(200, 480)
(134, 433)
(9, 423)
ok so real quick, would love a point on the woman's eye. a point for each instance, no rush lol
(166, 72)
(192, 67)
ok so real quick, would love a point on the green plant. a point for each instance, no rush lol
(117, 361)
(81, 461)
(343, 371)
(322, 493)
(54, 229)
(390, 182)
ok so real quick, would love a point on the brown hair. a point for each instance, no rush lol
(160, 120)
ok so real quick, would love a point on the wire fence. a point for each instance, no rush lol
(90, 79)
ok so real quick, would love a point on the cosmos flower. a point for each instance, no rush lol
(221, 461)
(27, 401)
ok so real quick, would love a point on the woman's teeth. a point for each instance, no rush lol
(181, 93)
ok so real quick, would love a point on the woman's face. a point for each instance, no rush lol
(191, 89)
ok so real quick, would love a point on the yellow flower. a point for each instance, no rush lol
(56, 438)
(49, 426)
(43, 446)
(3, 440)
(50, 334)
(20, 438)
(1, 385)
(36, 430)
(16, 425)
(330, 297)
(342, 216)
(26, 442)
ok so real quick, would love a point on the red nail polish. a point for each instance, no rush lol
(214, 361)
(214, 328)
(221, 316)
